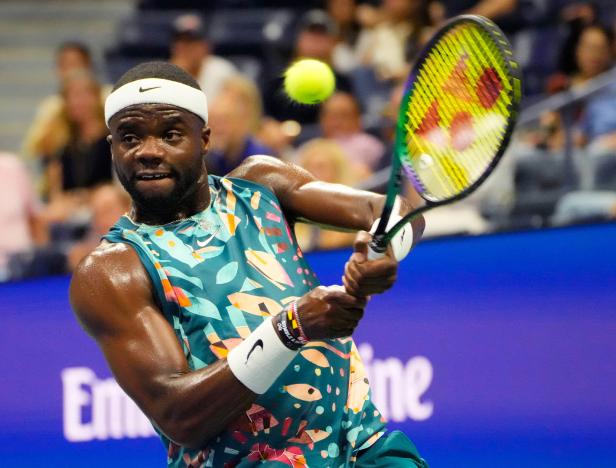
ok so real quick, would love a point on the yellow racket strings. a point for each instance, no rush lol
(456, 117)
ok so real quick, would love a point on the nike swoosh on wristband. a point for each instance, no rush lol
(258, 343)
(143, 90)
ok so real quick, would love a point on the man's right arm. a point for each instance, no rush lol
(111, 294)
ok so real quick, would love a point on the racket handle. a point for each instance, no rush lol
(376, 248)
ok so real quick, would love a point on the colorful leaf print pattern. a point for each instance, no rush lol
(218, 275)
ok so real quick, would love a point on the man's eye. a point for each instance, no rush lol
(172, 135)
(129, 139)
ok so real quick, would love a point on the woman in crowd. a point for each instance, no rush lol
(85, 161)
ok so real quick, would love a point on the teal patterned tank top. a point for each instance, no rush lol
(218, 275)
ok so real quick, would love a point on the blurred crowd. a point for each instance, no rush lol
(59, 196)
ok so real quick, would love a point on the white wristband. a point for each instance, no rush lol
(260, 358)
(402, 242)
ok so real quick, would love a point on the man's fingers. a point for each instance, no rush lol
(390, 279)
(338, 296)
(350, 285)
(376, 288)
(373, 269)
(352, 271)
(360, 245)
(377, 268)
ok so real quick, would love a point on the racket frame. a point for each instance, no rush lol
(380, 237)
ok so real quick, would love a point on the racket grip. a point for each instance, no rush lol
(376, 249)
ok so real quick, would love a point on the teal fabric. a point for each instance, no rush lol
(218, 275)
(393, 450)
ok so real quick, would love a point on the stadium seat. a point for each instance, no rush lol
(539, 182)
(146, 34)
(604, 171)
(251, 31)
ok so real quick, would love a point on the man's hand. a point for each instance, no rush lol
(329, 312)
(362, 277)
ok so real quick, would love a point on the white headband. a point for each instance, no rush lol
(156, 91)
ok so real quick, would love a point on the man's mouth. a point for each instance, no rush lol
(152, 175)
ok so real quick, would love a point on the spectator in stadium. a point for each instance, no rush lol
(85, 161)
(316, 38)
(391, 37)
(327, 161)
(191, 51)
(340, 120)
(441, 10)
(279, 136)
(576, 17)
(235, 117)
(22, 225)
(49, 132)
(594, 54)
(107, 204)
(344, 14)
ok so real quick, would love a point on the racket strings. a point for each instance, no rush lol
(456, 176)
(450, 177)
(409, 132)
(461, 103)
(430, 148)
(478, 55)
(467, 96)
(495, 60)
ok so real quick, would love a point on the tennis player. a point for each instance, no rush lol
(205, 308)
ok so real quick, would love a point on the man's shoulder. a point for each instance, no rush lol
(108, 264)
(255, 168)
(105, 285)
(252, 174)
(281, 178)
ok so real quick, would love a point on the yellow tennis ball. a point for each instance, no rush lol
(309, 81)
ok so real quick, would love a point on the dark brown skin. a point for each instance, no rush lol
(112, 295)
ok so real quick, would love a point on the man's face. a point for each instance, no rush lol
(340, 116)
(158, 154)
(68, 60)
(189, 51)
(315, 44)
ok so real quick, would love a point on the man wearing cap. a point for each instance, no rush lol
(205, 308)
(192, 52)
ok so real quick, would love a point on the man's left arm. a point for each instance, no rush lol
(304, 197)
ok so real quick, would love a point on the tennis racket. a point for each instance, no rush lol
(456, 117)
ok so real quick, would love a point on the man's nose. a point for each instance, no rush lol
(150, 151)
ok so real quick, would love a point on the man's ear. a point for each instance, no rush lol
(110, 141)
(205, 139)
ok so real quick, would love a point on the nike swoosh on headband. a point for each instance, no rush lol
(143, 90)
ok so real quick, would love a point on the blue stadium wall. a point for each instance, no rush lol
(490, 351)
